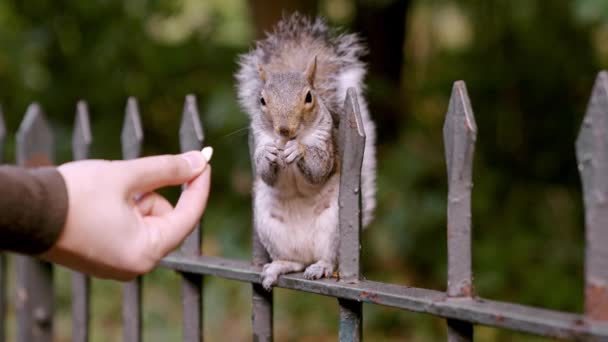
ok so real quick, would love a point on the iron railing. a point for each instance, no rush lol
(458, 305)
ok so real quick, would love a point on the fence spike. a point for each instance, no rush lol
(81, 284)
(351, 144)
(261, 300)
(191, 137)
(2, 255)
(132, 135)
(34, 300)
(132, 138)
(34, 139)
(592, 157)
(3, 281)
(82, 137)
(459, 135)
(2, 135)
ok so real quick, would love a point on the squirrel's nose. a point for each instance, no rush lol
(284, 131)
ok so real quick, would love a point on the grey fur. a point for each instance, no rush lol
(305, 166)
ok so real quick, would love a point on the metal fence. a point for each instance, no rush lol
(459, 305)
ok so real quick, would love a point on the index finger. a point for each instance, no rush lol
(175, 226)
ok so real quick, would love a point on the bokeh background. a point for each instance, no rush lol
(529, 67)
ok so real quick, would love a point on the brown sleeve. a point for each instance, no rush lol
(33, 208)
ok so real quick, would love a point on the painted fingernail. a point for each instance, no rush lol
(207, 153)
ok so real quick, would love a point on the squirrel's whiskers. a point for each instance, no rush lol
(237, 131)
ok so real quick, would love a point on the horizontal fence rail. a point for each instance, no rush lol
(459, 305)
(478, 311)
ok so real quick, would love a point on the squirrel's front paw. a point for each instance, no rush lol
(293, 151)
(271, 153)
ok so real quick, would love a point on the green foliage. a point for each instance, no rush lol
(529, 67)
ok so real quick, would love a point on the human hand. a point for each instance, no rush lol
(117, 227)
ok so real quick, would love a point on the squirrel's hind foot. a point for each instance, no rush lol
(319, 270)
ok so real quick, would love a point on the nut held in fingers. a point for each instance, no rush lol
(207, 153)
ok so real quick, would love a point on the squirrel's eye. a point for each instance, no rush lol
(262, 101)
(308, 98)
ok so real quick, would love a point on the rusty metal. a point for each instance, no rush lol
(34, 300)
(132, 140)
(3, 264)
(592, 157)
(191, 137)
(351, 145)
(459, 135)
(474, 310)
(261, 300)
(596, 302)
(81, 284)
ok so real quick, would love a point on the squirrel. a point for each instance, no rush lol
(292, 85)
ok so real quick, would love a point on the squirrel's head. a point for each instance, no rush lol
(288, 99)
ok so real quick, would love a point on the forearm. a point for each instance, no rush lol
(33, 208)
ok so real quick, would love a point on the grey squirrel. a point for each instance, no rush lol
(293, 85)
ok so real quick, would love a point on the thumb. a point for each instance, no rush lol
(150, 173)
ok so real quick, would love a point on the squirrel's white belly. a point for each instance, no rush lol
(298, 228)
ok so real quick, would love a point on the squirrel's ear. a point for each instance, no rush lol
(262, 72)
(311, 69)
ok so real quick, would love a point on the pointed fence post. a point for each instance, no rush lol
(132, 138)
(459, 135)
(191, 137)
(351, 143)
(261, 306)
(592, 157)
(35, 147)
(3, 263)
(2, 135)
(81, 284)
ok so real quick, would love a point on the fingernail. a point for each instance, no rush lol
(194, 159)
(207, 153)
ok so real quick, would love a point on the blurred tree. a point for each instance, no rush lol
(267, 13)
(386, 58)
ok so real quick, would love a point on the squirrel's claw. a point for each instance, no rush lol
(319, 270)
(269, 281)
(271, 153)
